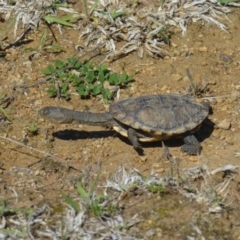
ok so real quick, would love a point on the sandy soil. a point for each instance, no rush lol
(211, 55)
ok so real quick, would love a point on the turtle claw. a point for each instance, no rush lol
(191, 145)
(133, 137)
(137, 146)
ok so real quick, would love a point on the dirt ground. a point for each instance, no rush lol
(213, 59)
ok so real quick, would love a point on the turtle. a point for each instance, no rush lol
(144, 118)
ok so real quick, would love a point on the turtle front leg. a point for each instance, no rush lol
(192, 145)
(133, 137)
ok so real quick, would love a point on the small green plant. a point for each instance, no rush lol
(87, 79)
(95, 204)
(154, 188)
(44, 46)
(33, 129)
(6, 211)
(151, 186)
(227, 1)
(2, 110)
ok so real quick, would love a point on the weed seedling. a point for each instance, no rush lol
(33, 129)
(94, 204)
(87, 79)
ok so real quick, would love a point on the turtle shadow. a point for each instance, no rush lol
(204, 132)
(71, 134)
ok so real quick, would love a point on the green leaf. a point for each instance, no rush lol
(71, 202)
(50, 80)
(101, 75)
(227, 1)
(113, 78)
(76, 80)
(5, 114)
(123, 77)
(83, 194)
(49, 70)
(72, 60)
(71, 16)
(90, 86)
(97, 89)
(65, 95)
(116, 14)
(49, 18)
(64, 87)
(52, 91)
(43, 38)
(106, 94)
(82, 90)
(54, 47)
(59, 64)
(88, 65)
(90, 77)
(77, 64)
(130, 78)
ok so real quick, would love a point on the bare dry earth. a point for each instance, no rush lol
(211, 55)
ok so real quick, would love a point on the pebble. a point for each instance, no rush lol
(193, 158)
(167, 58)
(176, 53)
(160, 170)
(203, 49)
(176, 77)
(156, 165)
(225, 124)
(186, 79)
(143, 158)
(225, 58)
(219, 100)
(164, 87)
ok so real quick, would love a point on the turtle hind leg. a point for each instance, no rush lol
(191, 146)
(133, 137)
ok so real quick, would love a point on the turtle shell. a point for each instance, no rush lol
(160, 116)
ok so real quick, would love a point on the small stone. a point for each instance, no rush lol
(225, 58)
(143, 158)
(176, 77)
(174, 45)
(203, 49)
(204, 63)
(164, 87)
(156, 165)
(193, 158)
(220, 100)
(37, 172)
(225, 124)
(167, 58)
(221, 137)
(186, 79)
(176, 53)
(160, 170)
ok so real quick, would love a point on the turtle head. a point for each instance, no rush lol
(56, 114)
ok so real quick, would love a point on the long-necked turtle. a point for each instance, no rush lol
(144, 118)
